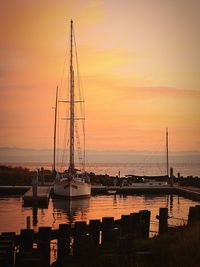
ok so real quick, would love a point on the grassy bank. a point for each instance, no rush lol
(177, 248)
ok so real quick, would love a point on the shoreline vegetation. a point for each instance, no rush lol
(23, 176)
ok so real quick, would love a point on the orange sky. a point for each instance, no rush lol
(139, 64)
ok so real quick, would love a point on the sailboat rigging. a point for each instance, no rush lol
(70, 184)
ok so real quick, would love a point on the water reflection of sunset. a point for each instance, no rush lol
(62, 211)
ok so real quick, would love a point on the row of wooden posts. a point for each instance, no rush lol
(85, 238)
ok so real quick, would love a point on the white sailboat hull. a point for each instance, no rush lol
(72, 189)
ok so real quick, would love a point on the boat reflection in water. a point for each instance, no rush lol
(70, 211)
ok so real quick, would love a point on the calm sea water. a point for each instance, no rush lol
(185, 169)
(13, 214)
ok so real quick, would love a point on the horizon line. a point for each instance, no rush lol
(103, 150)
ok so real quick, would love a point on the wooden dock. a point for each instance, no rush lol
(42, 197)
(152, 189)
(189, 192)
(13, 189)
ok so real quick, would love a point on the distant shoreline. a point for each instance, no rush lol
(21, 155)
(113, 169)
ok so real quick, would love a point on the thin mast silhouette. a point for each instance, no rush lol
(54, 137)
(167, 151)
(71, 163)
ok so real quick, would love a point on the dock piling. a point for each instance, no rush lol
(198, 211)
(35, 185)
(28, 222)
(171, 177)
(26, 240)
(144, 223)
(42, 176)
(79, 234)
(44, 237)
(194, 214)
(125, 224)
(135, 224)
(94, 230)
(63, 241)
(163, 220)
(7, 249)
(107, 229)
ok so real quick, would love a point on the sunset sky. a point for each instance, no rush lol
(139, 64)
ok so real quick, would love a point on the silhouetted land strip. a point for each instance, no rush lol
(123, 243)
(18, 180)
(23, 176)
(20, 176)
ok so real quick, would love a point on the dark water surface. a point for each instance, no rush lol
(13, 214)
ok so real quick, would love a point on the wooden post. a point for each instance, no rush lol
(42, 176)
(125, 224)
(28, 222)
(7, 240)
(35, 211)
(8, 235)
(94, 229)
(171, 177)
(178, 178)
(116, 235)
(44, 238)
(197, 207)
(26, 240)
(79, 233)
(63, 241)
(135, 223)
(194, 213)
(35, 186)
(144, 223)
(163, 220)
(107, 228)
(80, 228)
(84, 248)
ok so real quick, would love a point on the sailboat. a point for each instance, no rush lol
(70, 184)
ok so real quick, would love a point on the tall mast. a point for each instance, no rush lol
(71, 163)
(167, 152)
(55, 126)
